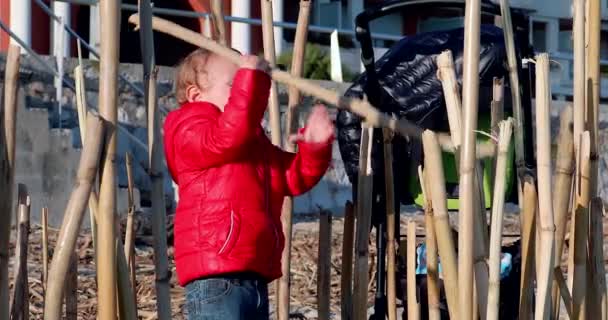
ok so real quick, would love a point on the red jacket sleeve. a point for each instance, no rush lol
(209, 141)
(304, 169)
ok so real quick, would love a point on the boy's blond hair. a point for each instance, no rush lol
(187, 71)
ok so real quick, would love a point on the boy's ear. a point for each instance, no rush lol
(193, 93)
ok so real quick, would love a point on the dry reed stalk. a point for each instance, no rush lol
(359, 107)
(577, 267)
(432, 274)
(390, 224)
(528, 243)
(45, 247)
(130, 233)
(71, 289)
(20, 305)
(89, 161)
(274, 113)
(364, 211)
(324, 265)
(507, 27)
(545, 201)
(563, 289)
(413, 311)
(578, 32)
(155, 163)
(504, 139)
(467, 208)
(447, 74)
(127, 299)
(297, 65)
(8, 117)
(109, 12)
(497, 109)
(346, 276)
(434, 170)
(596, 289)
(217, 12)
(564, 169)
(593, 86)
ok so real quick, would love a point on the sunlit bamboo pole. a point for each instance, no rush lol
(413, 308)
(20, 307)
(432, 274)
(596, 289)
(390, 225)
(274, 112)
(578, 33)
(130, 233)
(528, 243)
(217, 10)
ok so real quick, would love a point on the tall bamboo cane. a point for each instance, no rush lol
(564, 168)
(324, 265)
(563, 290)
(217, 9)
(504, 140)
(543, 143)
(528, 243)
(297, 63)
(346, 276)
(596, 289)
(413, 308)
(364, 208)
(578, 32)
(8, 117)
(155, 162)
(130, 233)
(434, 170)
(68, 234)
(108, 80)
(274, 111)
(71, 289)
(593, 88)
(432, 274)
(390, 224)
(45, 247)
(497, 114)
(20, 307)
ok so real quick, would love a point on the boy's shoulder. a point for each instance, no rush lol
(189, 110)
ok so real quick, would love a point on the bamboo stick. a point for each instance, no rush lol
(390, 224)
(563, 289)
(432, 274)
(543, 143)
(20, 305)
(412, 303)
(505, 12)
(71, 287)
(346, 276)
(155, 158)
(274, 112)
(593, 87)
(447, 74)
(360, 107)
(8, 117)
(466, 208)
(564, 168)
(324, 265)
(45, 248)
(297, 63)
(504, 140)
(68, 234)
(528, 243)
(497, 115)
(127, 300)
(129, 234)
(364, 208)
(596, 289)
(108, 76)
(217, 11)
(577, 280)
(434, 169)
(578, 32)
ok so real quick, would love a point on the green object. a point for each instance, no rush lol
(451, 173)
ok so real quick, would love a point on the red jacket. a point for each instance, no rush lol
(232, 182)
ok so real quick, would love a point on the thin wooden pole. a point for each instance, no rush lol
(467, 208)
(297, 63)
(346, 276)
(71, 289)
(413, 311)
(578, 33)
(593, 87)
(108, 86)
(130, 234)
(497, 115)
(390, 225)
(20, 308)
(217, 11)
(45, 247)
(155, 163)
(432, 274)
(324, 265)
(447, 74)
(543, 143)
(68, 233)
(564, 169)
(528, 243)
(563, 289)
(8, 118)
(596, 289)
(364, 208)
(434, 170)
(504, 140)
(274, 111)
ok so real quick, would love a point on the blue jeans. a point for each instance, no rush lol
(227, 298)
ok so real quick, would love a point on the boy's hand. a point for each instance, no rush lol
(255, 63)
(319, 128)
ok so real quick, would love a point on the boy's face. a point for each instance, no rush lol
(214, 85)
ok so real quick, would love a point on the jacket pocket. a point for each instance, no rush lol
(232, 234)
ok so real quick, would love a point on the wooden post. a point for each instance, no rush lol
(155, 163)
(390, 224)
(543, 143)
(108, 86)
(71, 289)
(130, 234)
(20, 308)
(564, 168)
(432, 274)
(434, 170)
(217, 11)
(596, 289)
(578, 33)
(297, 63)
(498, 203)
(324, 265)
(413, 311)
(274, 111)
(68, 235)
(8, 118)
(346, 276)
(364, 214)
(528, 243)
